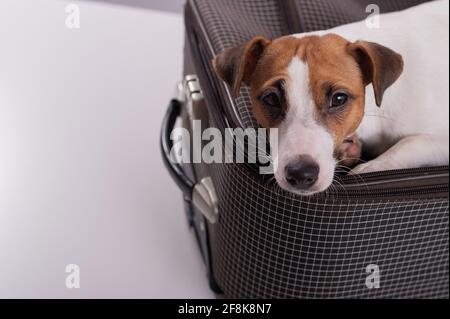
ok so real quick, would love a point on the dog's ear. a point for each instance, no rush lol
(236, 65)
(380, 65)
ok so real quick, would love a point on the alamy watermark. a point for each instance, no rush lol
(373, 19)
(73, 16)
(373, 279)
(73, 277)
(233, 146)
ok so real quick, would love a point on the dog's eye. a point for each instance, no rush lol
(338, 99)
(272, 100)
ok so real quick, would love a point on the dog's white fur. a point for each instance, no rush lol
(411, 129)
(300, 131)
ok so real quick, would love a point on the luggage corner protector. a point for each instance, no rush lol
(204, 198)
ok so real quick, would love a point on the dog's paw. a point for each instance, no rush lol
(369, 167)
(349, 153)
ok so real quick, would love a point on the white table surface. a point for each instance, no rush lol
(81, 177)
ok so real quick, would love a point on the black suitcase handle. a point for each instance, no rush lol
(176, 171)
(187, 187)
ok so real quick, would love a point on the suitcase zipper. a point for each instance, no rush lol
(394, 176)
(432, 170)
(397, 183)
(288, 10)
(437, 191)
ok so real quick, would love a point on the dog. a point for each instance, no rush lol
(388, 86)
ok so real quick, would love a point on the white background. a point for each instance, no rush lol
(81, 179)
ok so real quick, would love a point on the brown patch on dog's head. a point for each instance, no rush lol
(333, 70)
(260, 64)
(336, 66)
(380, 65)
(236, 65)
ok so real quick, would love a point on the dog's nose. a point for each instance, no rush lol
(303, 173)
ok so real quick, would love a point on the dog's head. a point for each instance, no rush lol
(313, 90)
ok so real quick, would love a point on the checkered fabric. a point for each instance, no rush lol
(326, 14)
(272, 244)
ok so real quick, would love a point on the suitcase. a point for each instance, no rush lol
(385, 237)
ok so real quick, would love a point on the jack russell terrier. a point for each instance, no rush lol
(387, 86)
